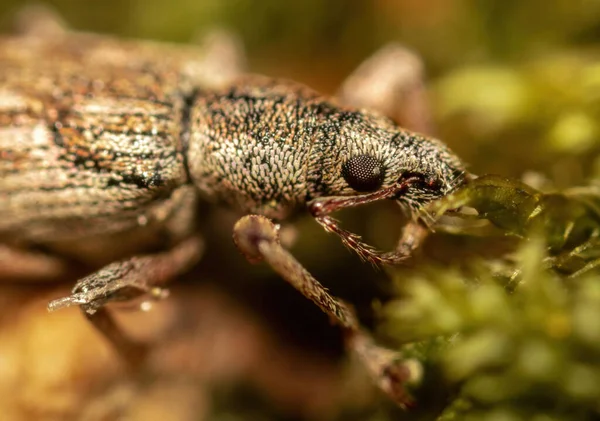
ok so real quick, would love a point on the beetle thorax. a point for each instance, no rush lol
(249, 145)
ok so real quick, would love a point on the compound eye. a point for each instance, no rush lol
(364, 173)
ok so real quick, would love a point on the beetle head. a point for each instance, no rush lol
(357, 153)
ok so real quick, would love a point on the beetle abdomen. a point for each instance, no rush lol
(84, 148)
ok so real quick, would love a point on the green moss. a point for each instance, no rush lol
(521, 336)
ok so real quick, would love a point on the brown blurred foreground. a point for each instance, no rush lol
(56, 367)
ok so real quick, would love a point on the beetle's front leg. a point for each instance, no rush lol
(257, 238)
(125, 280)
(412, 236)
(391, 81)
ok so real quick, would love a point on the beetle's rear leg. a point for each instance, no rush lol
(128, 279)
(257, 237)
(391, 81)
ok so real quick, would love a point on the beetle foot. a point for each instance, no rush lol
(117, 282)
(389, 370)
(92, 301)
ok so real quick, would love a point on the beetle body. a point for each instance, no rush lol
(90, 140)
(268, 146)
(106, 145)
(95, 141)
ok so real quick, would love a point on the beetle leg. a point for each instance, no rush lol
(223, 59)
(412, 234)
(391, 82)
(257, 238)
(126, 280)
(17, 264)
(133, 353)
(143, 275)
(131, 278)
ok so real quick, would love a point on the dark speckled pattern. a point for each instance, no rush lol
(101, 135)
(268, 146)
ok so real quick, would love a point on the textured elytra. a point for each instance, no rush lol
(85, 149)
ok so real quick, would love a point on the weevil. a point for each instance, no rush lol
(107, 145)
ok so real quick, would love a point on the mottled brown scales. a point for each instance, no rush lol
(102, 141)
(106, 145)
(250, 145)
(269, 146)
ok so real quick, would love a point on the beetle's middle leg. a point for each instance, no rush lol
(125, 280)
(391, 81)
(130, 278)
(140, 276)
(257, 237)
